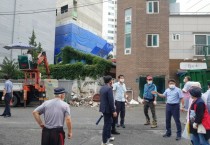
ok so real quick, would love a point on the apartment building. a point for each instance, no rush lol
(109, 25)
(84, 13)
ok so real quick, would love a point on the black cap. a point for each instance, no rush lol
(195, 92)
(59, 90)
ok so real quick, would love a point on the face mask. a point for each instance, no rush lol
(149, 82)
(171, 86)
(122, 80)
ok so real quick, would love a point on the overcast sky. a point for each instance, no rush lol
(194, 5)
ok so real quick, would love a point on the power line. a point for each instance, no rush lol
(47, 10)
(203, 7)
(194, 4)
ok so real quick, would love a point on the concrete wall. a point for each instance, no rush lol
(29, 16)
(89, 14)
(187, 26)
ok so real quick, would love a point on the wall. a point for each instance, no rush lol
(186, 26)
(143, 60)
(89, 14)
(43, 24)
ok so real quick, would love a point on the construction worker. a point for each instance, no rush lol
(55, 112)
(150, 101)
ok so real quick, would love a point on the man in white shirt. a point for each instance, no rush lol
(119, 89)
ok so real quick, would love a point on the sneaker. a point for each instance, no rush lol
(111, 139)
(118, 125)
(154, 124)
(166, 135)
(115, 132)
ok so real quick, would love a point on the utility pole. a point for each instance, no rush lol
(13, 27)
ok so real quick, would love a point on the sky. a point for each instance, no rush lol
(198, 6)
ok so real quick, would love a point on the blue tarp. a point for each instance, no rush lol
(80, 39)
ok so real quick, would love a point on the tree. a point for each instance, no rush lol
(10, 68)
(32, 41)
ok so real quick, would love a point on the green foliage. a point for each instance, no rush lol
(32, 41)
(93, 67)
(10, 68)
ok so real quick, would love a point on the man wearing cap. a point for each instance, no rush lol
(55, 111)
(108, 109)
(150, 101)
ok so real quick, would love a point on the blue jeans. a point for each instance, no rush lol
(107, 127)
(198, 139)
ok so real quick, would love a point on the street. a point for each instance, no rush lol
(21, 128)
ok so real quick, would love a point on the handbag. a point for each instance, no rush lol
(201, 129)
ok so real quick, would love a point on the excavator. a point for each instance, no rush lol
(33, 88)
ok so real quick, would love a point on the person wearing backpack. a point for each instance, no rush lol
(199, 119)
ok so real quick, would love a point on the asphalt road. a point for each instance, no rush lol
(21, 128)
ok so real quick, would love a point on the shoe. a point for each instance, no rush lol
(178, 138)
(118, 125)
(2, 115)
(166, 135)
(147, 123)
(115, 132)
(111, 139)
(7, 116)
(123, 126)
(154, 124)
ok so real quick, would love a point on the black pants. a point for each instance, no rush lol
(120, 109)
(7, 100)
(150, 105)
(53, 136)
(107, 127)
(173, 110)
(114, 123)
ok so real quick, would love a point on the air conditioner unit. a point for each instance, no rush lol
(128, 19)
(127, 51)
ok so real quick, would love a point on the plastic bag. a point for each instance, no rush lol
(186, 132)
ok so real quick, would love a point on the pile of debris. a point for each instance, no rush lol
(92, 101)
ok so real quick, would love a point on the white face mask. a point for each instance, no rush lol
(122, 80)
(171, 86)
(149, 82)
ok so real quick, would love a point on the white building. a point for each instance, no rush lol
(18, 18)
(84, 13)
(109, 28)
(188, 35)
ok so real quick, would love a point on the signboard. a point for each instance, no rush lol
(192, 65)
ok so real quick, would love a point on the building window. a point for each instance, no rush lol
(202, 41)
(176, 37)
(152, 7)
(64, 9)
(110, 38)
(110, 26)
(111, 32)
(152, 40)
(111, 20)
(128, 22)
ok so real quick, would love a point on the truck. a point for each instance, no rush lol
(32, 89)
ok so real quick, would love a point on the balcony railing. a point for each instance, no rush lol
(200, 50)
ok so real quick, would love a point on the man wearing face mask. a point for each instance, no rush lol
(150, 101)
(55, 111)
(173, 95)
(119, 89)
